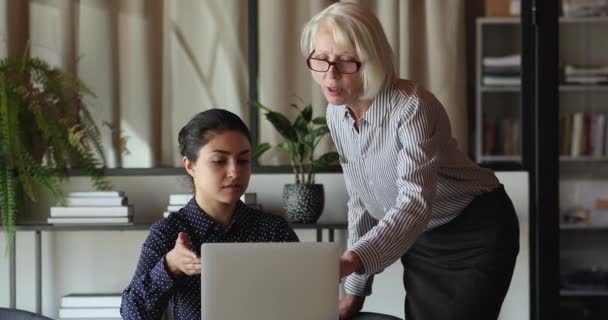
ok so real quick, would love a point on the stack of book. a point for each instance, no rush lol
(501, 135)
(176, 202)
(583, 134)
(589, 75)
(502, 71)
(90, 306)
(251, 200)
(104, 207)
(585, 8)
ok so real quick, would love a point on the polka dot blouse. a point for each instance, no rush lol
(153, 288)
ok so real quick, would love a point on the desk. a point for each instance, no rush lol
(319, 227)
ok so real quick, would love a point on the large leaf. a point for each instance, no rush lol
(303, 120)
(290, 148)
(260, 149)
(328, 159)
(320, 120)
(282, 125)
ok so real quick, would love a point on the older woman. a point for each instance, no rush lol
(413, 195)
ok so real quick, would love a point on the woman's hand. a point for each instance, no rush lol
(349, 306)
(181, 260)
(349, 263)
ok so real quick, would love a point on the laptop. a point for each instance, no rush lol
(269, 281)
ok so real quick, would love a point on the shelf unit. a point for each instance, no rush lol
(38, 229)
(582, 42)
(496, 36)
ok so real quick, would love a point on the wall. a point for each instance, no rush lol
(75, 262)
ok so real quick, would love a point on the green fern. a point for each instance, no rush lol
(45, 127)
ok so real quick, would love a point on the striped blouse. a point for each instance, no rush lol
(404, 175)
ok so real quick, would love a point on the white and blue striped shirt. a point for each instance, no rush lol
(404, 175)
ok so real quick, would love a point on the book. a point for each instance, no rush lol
(249, 198)
(95, 201)
(597, 143)
(174, 208)
(502, 61)
(179, 199)
(576, 146)
(501, 81)
(91, 300)
(91, 220)
(87, 313)
(89, 212)
(97, 194)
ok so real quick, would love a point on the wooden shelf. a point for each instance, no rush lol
(583, 88)
(583, 159)
(583, 293)
(501, 89)
(144, 226)
(498, 158)
(573, 226)
(562, 88)
(562, 20)
(499, 20)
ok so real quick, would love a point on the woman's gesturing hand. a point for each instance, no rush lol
(181, 260)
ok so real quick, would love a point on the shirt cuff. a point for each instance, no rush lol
(358, 285)
(160, 276)
(372, 263)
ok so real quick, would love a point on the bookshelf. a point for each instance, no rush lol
(582, 173)
(320, 229)
(498, 106)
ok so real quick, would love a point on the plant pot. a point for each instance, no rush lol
(303, 203)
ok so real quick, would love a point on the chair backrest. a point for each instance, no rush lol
(16, 314)
(373, 316)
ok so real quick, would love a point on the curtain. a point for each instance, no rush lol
(153, 64)
(427, 37)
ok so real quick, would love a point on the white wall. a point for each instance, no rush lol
(92, 261)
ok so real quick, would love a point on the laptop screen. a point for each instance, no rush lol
(269, 281)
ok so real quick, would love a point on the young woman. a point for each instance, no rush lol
(216, 150)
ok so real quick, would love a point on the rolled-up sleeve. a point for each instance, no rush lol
(359, 223)
(417, 166)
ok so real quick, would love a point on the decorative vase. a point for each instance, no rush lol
(303, 203)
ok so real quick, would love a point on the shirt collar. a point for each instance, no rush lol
(377, 111)
(196, 214)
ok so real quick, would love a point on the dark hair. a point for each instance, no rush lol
(200, 129)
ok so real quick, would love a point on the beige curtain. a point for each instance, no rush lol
(153, 64)
(427, 36)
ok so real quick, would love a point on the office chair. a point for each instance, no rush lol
(16, 314)
(373, 316)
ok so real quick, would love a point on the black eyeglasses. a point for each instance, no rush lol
(322, 65)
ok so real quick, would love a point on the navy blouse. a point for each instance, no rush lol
(153, 287)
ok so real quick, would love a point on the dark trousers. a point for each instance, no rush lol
(462, 270)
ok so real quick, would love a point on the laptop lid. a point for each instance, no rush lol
(269, 281)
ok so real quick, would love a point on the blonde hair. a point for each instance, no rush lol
(356, 28)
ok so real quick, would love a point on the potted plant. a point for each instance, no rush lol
(304, 199)
(45, 128)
